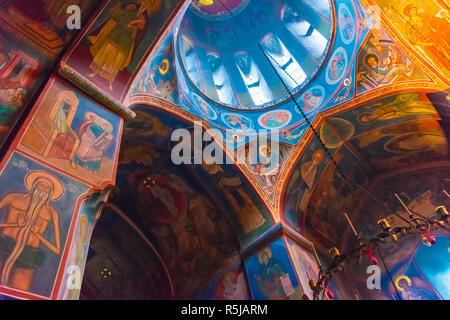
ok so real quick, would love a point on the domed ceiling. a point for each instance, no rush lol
(241, 64)
(350, 98)
(224, 50)
(277, 69)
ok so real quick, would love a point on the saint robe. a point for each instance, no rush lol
(112, 49)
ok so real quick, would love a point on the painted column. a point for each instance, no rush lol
(53, 181)
(280, 264)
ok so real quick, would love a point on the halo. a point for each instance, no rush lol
(267, 251)
(58, 189)
(408, 280)
(265, 150)
(370, 55)
(408, 4)
(164, 70)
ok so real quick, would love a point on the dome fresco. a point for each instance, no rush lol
(225, 48)
(246, 66)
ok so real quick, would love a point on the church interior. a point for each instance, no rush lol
(317, 165)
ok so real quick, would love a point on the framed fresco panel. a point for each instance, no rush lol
(37, 205)
(108, 55)
(70, 132)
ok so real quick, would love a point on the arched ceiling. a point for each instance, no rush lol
(366, 58)
(198, 217)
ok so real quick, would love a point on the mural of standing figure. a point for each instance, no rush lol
(22, 231)
(112, 48)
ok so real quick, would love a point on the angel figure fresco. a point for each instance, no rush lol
(112, 49)
(382, 62)
(28, 216)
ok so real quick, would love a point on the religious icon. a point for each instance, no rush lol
(382, 62)
(112, 48)
(237, 121)
(271, 277)
(312, 98)
(73, 133)
(347, 26)
(429, 31)
(22, 235)
(337, 66)
(275, 119)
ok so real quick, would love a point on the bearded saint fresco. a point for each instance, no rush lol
(22, 230)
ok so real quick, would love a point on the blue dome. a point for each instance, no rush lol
(234, 51)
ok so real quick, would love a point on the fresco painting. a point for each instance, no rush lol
(74, 134)
(117, 42)
(231, 285)
(347, 27)
(381, 135)
(191, 233)
(119, 257)
(159, 78)
(423, 24)
(395, 146)
(337, 66)
(42, 23)
(305, 265)
(381, 62)
(253, 218)
(76, 261)
(20, 75)
(134, 225)
(32, 243)
(275, 119)
(271, 274)
(417, 269)
(267, 166)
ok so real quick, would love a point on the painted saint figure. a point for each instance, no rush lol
(22, 231)
(113, 47)
(429, 32)
(270, 276)
(95, 134)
